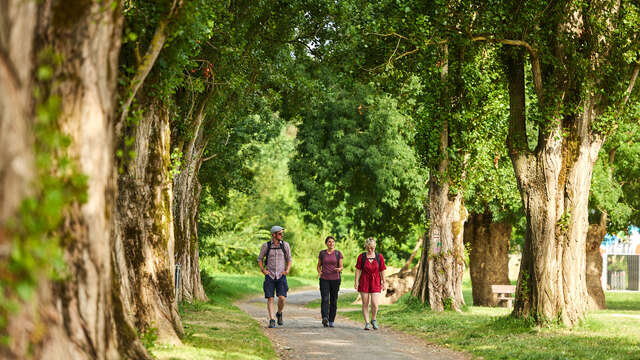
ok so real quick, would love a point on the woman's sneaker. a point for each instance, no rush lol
(324, 322)
(279, 317)
(272, 323)
(374, 324)
(366, 326)
(330, 323)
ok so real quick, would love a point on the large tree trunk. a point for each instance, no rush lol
(488, 257)
(18, 21)
(77, 317)
(186, 189)
(439, 277)
(143, 229)
(554, 182)
(446, 248)
(595, 235)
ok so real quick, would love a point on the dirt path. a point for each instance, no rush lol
(303, 337)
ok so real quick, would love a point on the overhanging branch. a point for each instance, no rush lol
(632, 82)
(535, 61)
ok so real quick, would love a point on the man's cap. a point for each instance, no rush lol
(276, 228)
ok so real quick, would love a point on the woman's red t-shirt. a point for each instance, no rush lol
(370, 278)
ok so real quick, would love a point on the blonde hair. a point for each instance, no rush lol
(370, 242)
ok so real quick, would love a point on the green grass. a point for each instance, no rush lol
(491, 334)
(218, 330)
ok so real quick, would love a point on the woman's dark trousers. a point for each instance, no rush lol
(329, 292)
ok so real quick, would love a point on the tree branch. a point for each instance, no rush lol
(148, 61)
(9, 71)
(389, 34)
(632, 82)
(157, 42)
(209, 157)
(535, 61)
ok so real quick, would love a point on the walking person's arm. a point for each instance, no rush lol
(340, 266)
(358, 271)
(319, 268)
(383, 281)
(288, 250)
(264, 271)
(263, 252)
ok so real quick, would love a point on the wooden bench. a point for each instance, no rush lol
(505, 293)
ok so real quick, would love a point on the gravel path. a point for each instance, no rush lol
(303, 337)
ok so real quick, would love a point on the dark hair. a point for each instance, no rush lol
(329, 237)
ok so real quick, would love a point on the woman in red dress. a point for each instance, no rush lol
(370, 281)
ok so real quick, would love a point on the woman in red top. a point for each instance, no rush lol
(370, 281)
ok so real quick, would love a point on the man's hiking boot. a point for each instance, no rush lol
(279, 316)
(272, 323)
(374, 324)
(366, 326)
(330, 323)
(324, 322)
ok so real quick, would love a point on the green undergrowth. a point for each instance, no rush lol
(490, 333)
(218, 330)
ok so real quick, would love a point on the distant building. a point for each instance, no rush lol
(621, 260)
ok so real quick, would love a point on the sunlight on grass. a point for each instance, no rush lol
(492, 334)
(217, 329)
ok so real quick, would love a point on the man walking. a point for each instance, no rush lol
(277, 263)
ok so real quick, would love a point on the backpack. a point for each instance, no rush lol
(266, 256)
(363, 258)
(337, 257)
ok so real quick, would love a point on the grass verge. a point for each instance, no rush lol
(218, 330)
(491, 333)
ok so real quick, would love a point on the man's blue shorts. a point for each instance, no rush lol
(270, 285)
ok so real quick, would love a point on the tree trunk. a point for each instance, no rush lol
(420, 287)
(18, 21)
(554, 182)
(595, 235)
(446, 252)
(439, 277)
(187, 189)
(77, 317)
(488, 257)
(143, 229)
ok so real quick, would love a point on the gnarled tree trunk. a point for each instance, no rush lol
(488, 257)
(186, 189)
(446, 249)
(77, 317)
(143, 229)
(595, 235)
(439, 277)
(554, 182)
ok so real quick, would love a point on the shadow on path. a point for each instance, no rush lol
(303, 337)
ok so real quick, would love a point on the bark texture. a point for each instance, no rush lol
(554, 182)
(488, 257)
(18, 21)
(143, 229)
(439, 277)
(186, 189)
(595, 235)
(446, 248)
(77, 317)
(17, 28)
